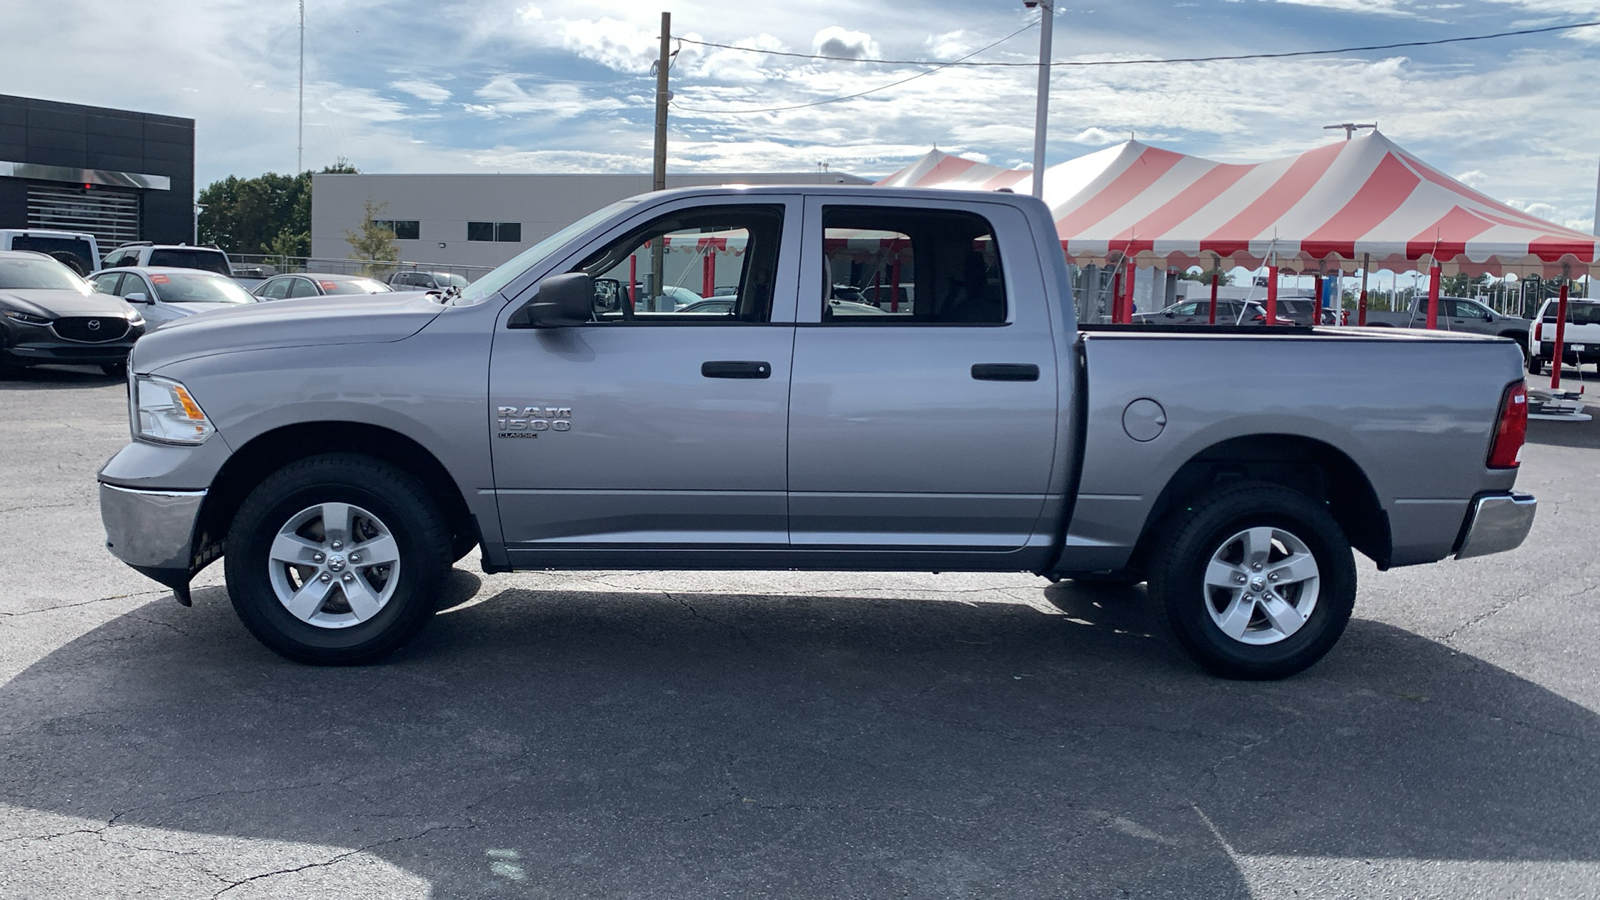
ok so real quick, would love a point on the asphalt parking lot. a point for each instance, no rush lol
(642, 734)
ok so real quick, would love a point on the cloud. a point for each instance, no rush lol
(422, 90)
(1096, 137)
(837, 41)
(504, 95)
(1381, 7)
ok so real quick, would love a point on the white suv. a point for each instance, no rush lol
(76, 250)
(1581, 340)
(178, 256)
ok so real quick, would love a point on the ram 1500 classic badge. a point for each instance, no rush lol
(528, 421)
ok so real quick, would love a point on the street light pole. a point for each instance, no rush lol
(1041, 113)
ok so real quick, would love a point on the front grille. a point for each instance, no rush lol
(92, 329)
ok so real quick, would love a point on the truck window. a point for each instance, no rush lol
(662, 271)
(205, 260)
(911, 266)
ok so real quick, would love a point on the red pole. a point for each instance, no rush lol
(1272, 295)
(1213, 318)
(894, 285)
(1561, 337)
(1116, 294)
(1316, 302)
(708, 279)
(1127, 296)
(1362, 306)
(633, 282)
(1435, 277)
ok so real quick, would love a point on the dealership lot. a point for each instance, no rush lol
(640, 734)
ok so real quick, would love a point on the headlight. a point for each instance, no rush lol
(20, 316)
(134, 318)
(163, 410)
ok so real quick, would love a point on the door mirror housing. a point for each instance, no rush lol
(562, 300)
(138, 297)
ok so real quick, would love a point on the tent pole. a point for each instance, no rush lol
(1215, 274)
(1272, 293)
(1361, 307)
(1435, 276)
(1560, 353)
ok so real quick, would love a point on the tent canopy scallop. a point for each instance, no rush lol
(1362, 202)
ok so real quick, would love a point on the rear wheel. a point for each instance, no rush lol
(1257, 581)
(1535, 365)
(336, 559)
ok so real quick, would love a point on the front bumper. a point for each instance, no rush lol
(27, 344)
(152, 531)
(1496, 523)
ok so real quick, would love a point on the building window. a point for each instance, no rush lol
(506, 232)
(404, 229)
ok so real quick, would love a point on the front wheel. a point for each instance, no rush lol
(1257, 581)
(336, 559)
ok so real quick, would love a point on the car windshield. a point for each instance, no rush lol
(22, 274)
(187, 287)
(190, 258)
(354, 286)
(527, 259)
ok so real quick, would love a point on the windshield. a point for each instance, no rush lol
(40, 275)
(190, 258)
(1578, 313)
(184, 287)
(355, 286)
(527, 259)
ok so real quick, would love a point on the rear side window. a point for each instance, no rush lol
(911, 266)
(74, 253)
(1578, 313)
(187, 258)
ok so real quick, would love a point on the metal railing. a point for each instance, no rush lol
(256, 265)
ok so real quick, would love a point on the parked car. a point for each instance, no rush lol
(1198, 312)
(1580, 340)
(988, 433)
(721, 306)
(412, 280)
(146, 255)
(1458, 314)
(165, 294)
(77, 250)
(48, 314)
(310, 284)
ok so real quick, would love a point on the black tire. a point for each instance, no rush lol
(1535, 365)
(1178, 580)
(115, 370)
(394, 497)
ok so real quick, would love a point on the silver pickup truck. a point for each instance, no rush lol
(560, 413)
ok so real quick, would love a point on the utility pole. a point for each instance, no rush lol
(300, 121)
(1350, 128)
(1042, 111)
(659, 179)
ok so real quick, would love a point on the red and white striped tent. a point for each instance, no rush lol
(1363, 203)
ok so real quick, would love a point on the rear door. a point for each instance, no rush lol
(932, 430)
(654, 432)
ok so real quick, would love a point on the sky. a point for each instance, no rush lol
(555, 86)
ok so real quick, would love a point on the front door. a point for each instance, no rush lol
(657, 430)
(932, 429)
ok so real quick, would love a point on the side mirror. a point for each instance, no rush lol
(607, 294)
(137, 298)
(1172, 315)
(561, 300)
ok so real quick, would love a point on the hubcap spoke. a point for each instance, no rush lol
(1236, 618)
(306, 601)
(1222, 575)
(336, 523)
(1281, 614)
(379, 551)
(1257, 546)
(294, 549)
(1297, 567)
(363, 603)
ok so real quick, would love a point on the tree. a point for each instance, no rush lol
(373, 243)
(267, 214)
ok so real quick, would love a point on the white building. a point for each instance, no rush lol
(484, 220)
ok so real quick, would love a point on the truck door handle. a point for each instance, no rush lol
(1005, 371)
(735, 368)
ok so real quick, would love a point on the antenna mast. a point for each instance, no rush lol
(300, 122)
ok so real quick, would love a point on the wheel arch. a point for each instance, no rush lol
(1308, 465)
(272, 450)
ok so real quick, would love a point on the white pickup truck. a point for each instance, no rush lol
(342, 452)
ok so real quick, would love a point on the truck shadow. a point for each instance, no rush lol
(644, 744)
(54, 378)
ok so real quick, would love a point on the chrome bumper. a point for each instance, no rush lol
(150, 529)
(1497, 522)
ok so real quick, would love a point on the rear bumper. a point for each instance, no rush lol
(1496, 523)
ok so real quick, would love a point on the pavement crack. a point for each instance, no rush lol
(340, 857)
(704, 618)
(34, 612)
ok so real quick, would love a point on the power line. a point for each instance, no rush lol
(1142, 62)
(862, 93)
